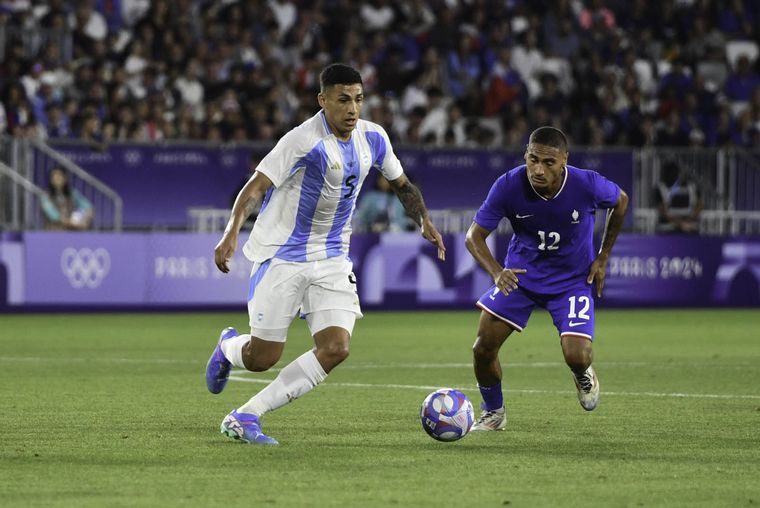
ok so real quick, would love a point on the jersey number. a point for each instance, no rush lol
(351, 187)
(553, 237)
(583, 300)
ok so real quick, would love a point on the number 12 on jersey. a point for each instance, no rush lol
(582, 314)
(553, 238)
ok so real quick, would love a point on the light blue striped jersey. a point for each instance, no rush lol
(306, 216)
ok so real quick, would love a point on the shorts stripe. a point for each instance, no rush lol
(584, 335)
(256, 277)
(502, 318)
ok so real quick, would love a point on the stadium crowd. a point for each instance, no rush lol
(455, 73)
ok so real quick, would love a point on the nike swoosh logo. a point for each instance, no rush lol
(573, 323)
(523, 216)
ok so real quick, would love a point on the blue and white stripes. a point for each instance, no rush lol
(317, 179)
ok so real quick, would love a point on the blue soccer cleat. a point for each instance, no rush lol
(245, 427)
(218, 366)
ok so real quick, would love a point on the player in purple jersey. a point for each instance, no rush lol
(550, 263)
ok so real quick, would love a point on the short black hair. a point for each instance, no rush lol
(338, 74)
(549, 136)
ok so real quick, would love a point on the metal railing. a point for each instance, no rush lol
(728, 180)
(21, 195)
(207, 220)
(108, 205)
(711, 222)
(32, 160)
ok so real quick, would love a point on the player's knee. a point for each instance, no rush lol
(579, 355)
(336, 351)
(483, 348)
(259, 363)
(259, 360)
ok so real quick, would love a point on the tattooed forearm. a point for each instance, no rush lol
(250, 206)
(615, 218)
(411, 198)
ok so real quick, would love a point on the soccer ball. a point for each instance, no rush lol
(447, 414)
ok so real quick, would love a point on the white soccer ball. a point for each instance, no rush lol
(447, 414)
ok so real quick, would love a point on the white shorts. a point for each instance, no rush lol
(279, 290)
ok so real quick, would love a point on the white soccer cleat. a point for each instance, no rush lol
(491, 420)
(588, 389)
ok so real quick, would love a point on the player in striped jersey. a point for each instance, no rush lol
(299, 246)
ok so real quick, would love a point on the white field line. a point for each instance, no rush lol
(552, 392)
(69, 359)
(39, 359)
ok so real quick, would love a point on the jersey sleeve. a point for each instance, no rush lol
(494, 208)
(606, 192)
(283, 160)
(382, 152)
(49, 209)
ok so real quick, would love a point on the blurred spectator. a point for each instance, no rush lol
(742, 82)
(527, 59)
(65, 207)
(504, 85)
(152, 70)
(671, 132)
(463, 68)
(435, 122)
(678, 200)
(596, 15)
(565, 41)
(380, 210)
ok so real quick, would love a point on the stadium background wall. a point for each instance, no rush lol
(159, 183)
(394, 271)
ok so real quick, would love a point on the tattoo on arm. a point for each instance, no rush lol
(240, 213)
(614, 224)
(249, 206)
(411, 198)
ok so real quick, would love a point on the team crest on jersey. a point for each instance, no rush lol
(575, 216)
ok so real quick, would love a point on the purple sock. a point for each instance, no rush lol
(492, 396)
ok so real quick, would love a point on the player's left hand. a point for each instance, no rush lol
(597, 272)
(223, 252)
(433, 236)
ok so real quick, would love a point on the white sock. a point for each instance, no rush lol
(233, 349)
(296, 379)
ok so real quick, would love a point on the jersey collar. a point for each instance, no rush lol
(324, 122)
(564, 181)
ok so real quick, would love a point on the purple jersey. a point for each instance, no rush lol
(553, 238)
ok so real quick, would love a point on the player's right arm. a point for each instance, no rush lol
(245, 203)
(504, 278)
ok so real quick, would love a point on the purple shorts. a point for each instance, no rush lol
(572, 311)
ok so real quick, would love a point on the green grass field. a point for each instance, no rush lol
(112, 410)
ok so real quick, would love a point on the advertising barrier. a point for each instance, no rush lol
(393, 271)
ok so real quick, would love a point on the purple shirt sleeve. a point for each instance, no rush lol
(606, 193)
(494, 208)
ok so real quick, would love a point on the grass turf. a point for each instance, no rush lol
(112, 410)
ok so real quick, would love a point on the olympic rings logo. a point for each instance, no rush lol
(85, 267)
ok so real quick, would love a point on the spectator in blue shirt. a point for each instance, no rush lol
(65, 207)
(742, 82)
